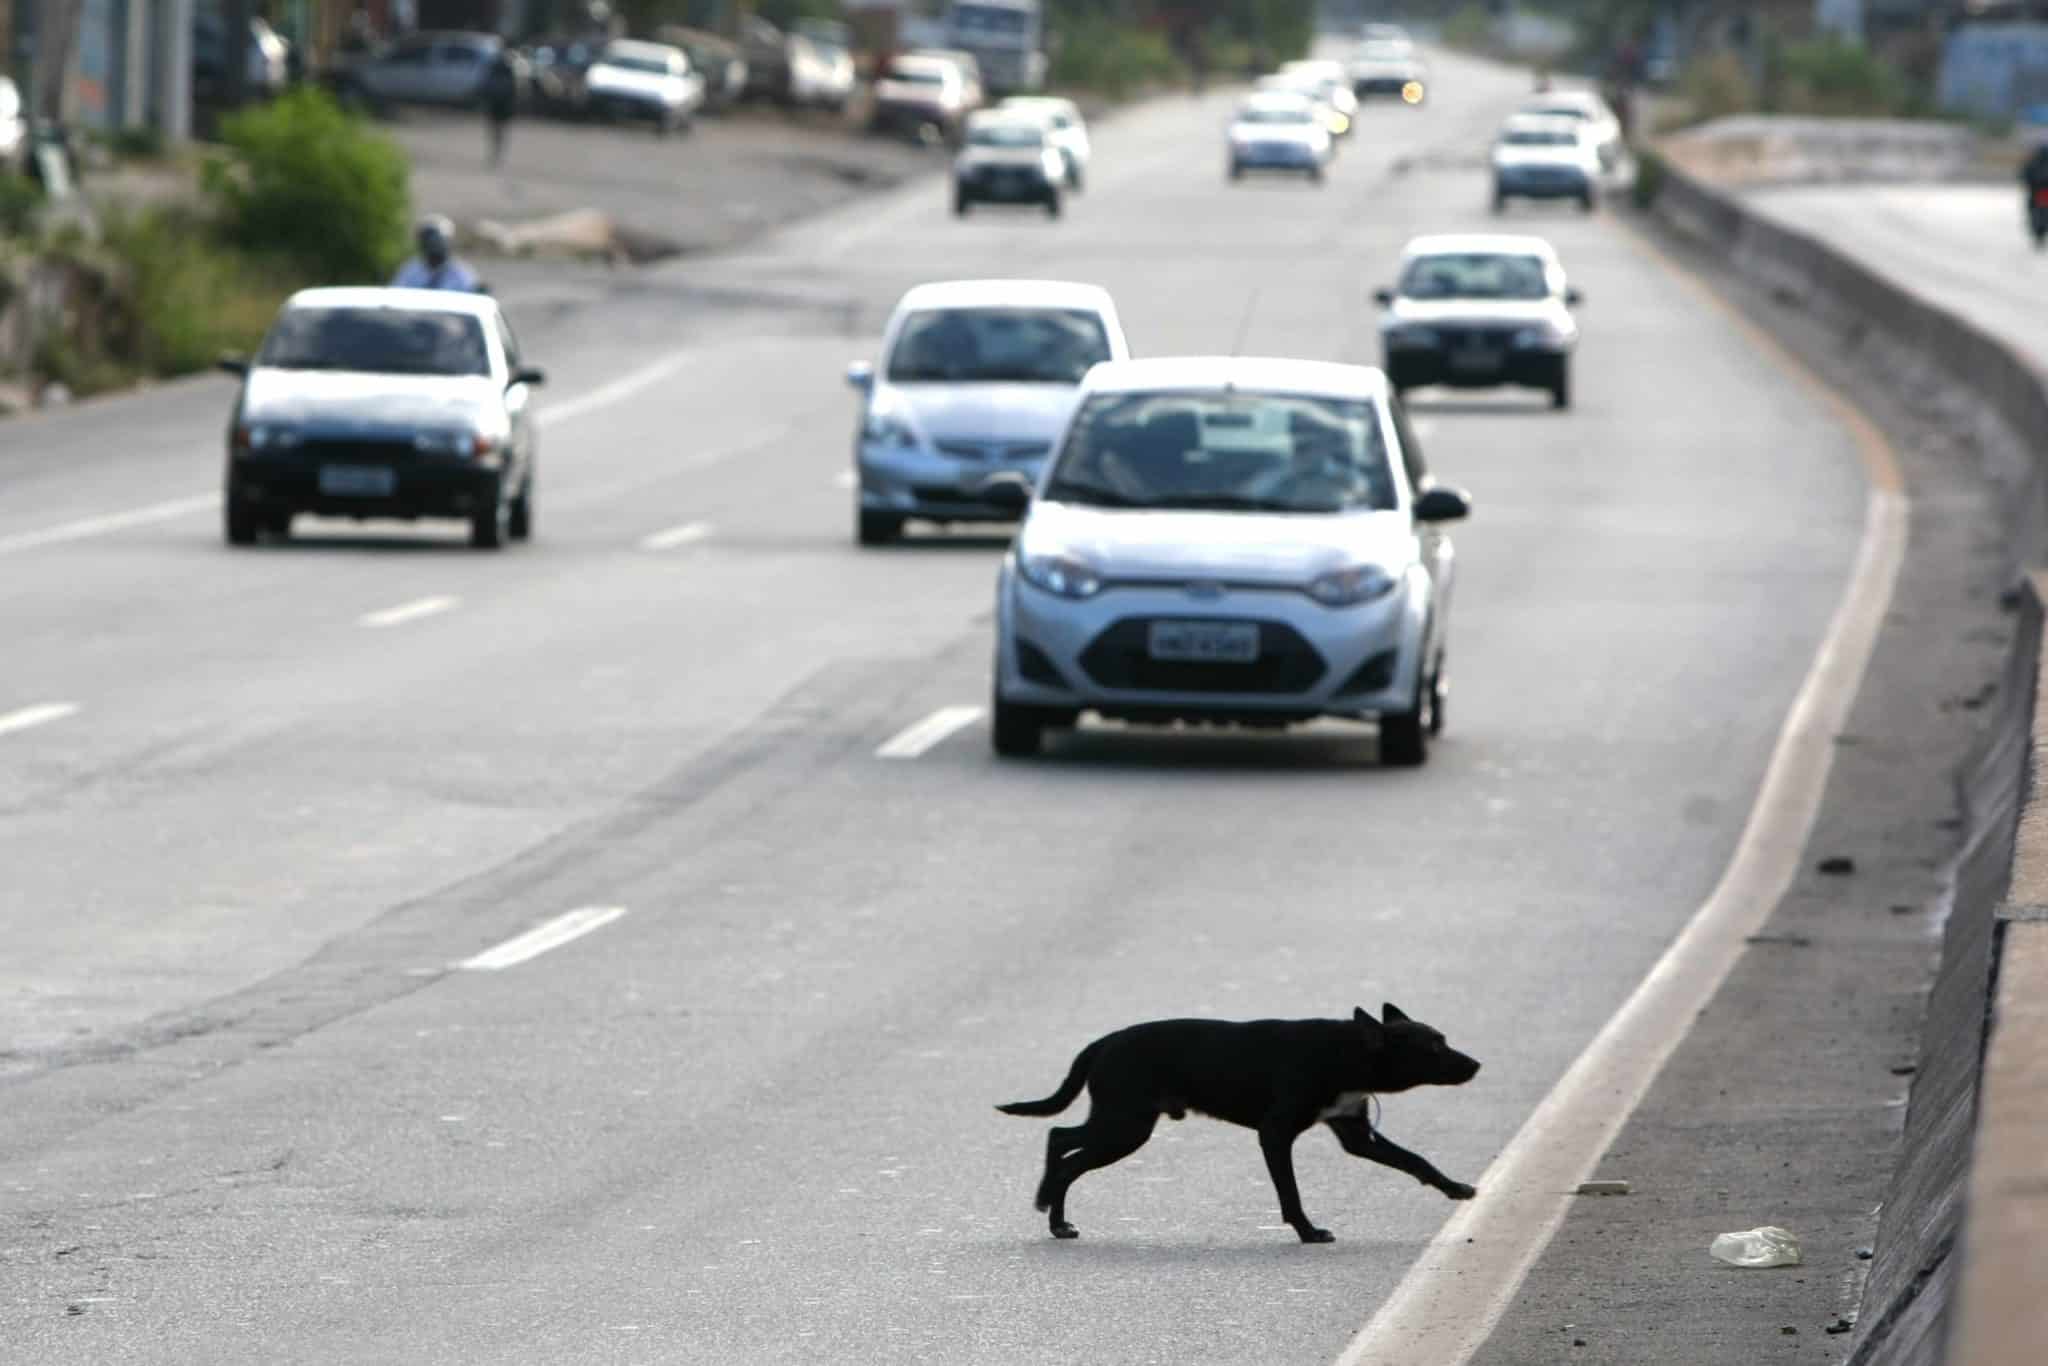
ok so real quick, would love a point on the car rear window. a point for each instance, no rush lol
(1232, 451)
(1010, 135)
(384, 341)
(1543, 137)
(990, 345)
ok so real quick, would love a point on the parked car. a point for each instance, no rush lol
(559, 67)
(820, 57)
(977, 379)
(1480, 311)
(718, 60)
(766, 49)
(1540, 156)
(1067, 130)
(1008, 158)
(1279, 131)
(424, 68)
(1228, 541)
(914, 93)
(371, 403)
(648, 82)
(13, 127)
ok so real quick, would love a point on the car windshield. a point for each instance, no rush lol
(1282, 113)
(1013, 135)
(1475, 275)
(993, 345)
(627, 61)
(914, 76)
(1234, 451)
(1560, 111)
(1538, 137)
(383, 341)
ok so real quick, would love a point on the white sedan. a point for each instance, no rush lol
(1279, 131)
(1066, 130)
(1603, 129)
(1232, 541)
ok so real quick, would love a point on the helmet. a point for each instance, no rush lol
(436, 236)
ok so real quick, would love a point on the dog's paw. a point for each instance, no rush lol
(1065, 1231)
(1316, 1235)
(1458, 1190)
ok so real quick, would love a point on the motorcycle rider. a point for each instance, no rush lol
(437, 266)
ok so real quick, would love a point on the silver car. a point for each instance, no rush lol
(1234, 541)
(1477, 311)
(977, 379)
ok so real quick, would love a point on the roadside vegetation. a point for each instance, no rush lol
(299, 193)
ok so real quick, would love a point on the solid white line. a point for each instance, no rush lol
(39, 715)
(915, 740)
(1454, 1295)
(689, 533)
(622, 388)
(86, 527)
(553, 934)
(410, 611)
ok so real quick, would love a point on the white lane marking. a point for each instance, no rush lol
(623, 387)
(689, 533)
(1452, 1298)
(1425, 427)
(843, 480)
(915, 740)
(39, 715)
(410, 611)
(564, 928)
(86, 527)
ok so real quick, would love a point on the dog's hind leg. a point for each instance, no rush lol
(1102, 1140)
(1276, 1141)
(1062, 1140)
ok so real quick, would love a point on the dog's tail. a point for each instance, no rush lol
(1077, 1077)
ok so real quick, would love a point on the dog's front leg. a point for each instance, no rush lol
(1277, 1142)
(1362, 1140)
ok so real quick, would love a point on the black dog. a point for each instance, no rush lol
(1279, 1077)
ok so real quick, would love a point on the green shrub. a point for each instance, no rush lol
(1716, 86)
(1832, 76)
(1099, 54)
(1649, 181)
(192, 296)
(21, 200)
(307, 180)
(1471, 28)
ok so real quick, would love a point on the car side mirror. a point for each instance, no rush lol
(1010, 492)
(860, 375)
(1572, 297)
(529, 374)
(1383, 297)
(233, 365)
(1443, 505)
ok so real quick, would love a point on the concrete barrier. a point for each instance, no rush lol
(1957, 1275)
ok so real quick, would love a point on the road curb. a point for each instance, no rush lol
(1964, 1227)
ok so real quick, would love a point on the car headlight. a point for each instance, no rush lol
(267, 436)
(1544, 335)
(1414, 336)
(1350, 587)
(1060, 574)
(890, 429)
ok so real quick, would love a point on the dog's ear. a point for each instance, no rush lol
(1358, 1014)
(1392, 1014)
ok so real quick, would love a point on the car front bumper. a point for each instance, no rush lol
(923, 483)
(1256, 156)
(1094, 654)
(423, 487)
(1008, 187)
(1547, 183)
(1535, 367)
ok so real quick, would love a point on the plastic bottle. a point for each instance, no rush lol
(1758, 1247)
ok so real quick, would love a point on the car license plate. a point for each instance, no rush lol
(358, 481)
(1204, 642)
(1476, 359)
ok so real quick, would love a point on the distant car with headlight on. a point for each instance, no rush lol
(1480, 311)
(1538, 156)
(1387, 67)
(1327, 81)
(1279, 131)
(977, 379)
(1008, 158)
(373, 403)
(1229, 541)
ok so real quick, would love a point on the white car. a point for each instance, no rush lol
(1008, 158)
(977, 379)
(1329, 81)
(1279, 131)
(1541, 156)
(1231, 541)
(1067, 130)
(648, 81)
(1603, 129)
(13, 127)
(1334, 120)
(914, 93)
(821, 74)
(1381, 67)
(1478, 311)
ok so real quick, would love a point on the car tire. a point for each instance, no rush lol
(1561, 387)
(519, 520)
(239, 524)
(1500, 203)
(489, 525)
(1404, 737)
(1315, 175)
(277, 523)
(1052, 205)
(961, 204)
(1016, 731)
(1076, 178)
(1439, 696)
(1236, 170)
(877, 528)
(1588, 202)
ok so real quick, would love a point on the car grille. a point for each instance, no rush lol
(994, 450)
(1459, 338)
(353, 451)
(1121, 658)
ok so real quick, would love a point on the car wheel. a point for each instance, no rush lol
(879, 528)
(1016, 731)
(961, 204)
(1236, 171)
(1052, 205)
(1500, 203)
(519, 521)
(1315, 175)
(1561, 387)
(1587, 202)
(1404, 737)
(239, 522)
(687, 124)
(489, 524)
(1074, 176)
(1439, 695)
(277, 522)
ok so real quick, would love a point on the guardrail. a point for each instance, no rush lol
(1957, 1272)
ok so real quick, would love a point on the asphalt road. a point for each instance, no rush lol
(253, 1115)
(1962, 246)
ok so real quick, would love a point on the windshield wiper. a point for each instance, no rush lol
(1098, 495)
(1226, 502)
